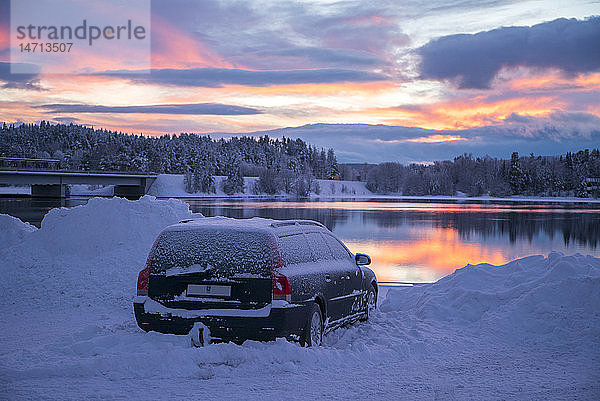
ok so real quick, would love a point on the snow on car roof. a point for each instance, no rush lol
(254, 223)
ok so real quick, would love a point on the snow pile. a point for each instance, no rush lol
(13, 230)
(87, 255)
(105, 223)
(548, 301)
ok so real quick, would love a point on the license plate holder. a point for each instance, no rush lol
(208, 290)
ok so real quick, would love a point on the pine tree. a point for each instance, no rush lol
(515, 174)
(234, 182)
(333, 170)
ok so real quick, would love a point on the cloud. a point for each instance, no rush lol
(66, 120)
(17, 81)
(277, 36)
(557, 126)
(554, 134)
(319, 56)
(569, 45)
(217, 77)
(194, 108)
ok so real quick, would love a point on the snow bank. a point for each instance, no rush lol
(16, 190)
(550, 301)
(86, 190)
(86, 255)
(103, 224)
(13, 230)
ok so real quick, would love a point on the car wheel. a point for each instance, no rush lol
(313, 331)
(371, 303)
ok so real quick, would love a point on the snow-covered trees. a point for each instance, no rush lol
(84, 148)
(516, 178)
(290, 165)
(234, 183)
(268, 182)
(333, 170)
(522, 175)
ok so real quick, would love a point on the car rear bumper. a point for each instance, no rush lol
(278, 320)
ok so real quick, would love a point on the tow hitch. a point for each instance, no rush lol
(199, 335)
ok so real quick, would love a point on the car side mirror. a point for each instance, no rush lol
(362, 259)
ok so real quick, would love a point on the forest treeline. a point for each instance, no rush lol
(291, 165)
(285, 164)
(563, 175)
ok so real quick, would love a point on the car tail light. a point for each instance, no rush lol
(143, 277)
(281, 287)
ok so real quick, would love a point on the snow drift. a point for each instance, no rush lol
(549, 301)
(529, 329)
(13, 230)
(103, 224)
(88, 254)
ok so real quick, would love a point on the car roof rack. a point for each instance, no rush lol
(287, 223)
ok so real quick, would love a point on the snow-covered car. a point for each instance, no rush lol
(260, 279)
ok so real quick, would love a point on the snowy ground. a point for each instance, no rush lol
(172, 186)
(16, 190)
(89, 190)
(527, 330)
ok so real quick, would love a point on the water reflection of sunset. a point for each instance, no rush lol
(439, 254)
(423, 241)
(398, 205)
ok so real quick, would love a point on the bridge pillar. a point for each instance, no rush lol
(49, 191)
(132, 192)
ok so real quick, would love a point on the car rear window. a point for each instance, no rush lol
(225, 251)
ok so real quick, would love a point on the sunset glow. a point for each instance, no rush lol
(325, 63)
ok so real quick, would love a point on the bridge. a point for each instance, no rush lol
(52, 183)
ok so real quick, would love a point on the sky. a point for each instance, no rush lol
(412, 81)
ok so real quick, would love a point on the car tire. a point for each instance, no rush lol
(313, 330)
(371, 303)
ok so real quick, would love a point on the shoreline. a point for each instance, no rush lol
(373, 197)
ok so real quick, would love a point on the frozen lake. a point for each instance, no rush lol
(412, 241)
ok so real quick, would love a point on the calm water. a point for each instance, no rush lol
(413, 241)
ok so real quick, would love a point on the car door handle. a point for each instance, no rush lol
(327, 278)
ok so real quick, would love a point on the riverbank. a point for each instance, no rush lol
(172, 186)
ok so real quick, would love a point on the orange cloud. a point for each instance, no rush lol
(349, 88)
(437, 139)
(550, 80)
(177, 49)
(466, 113)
